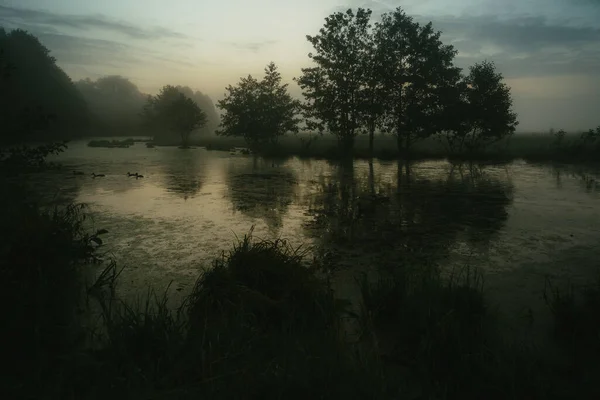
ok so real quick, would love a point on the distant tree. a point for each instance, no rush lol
(39, 97)
(259, 111)
(482, 110)
(172, 111)
(114, 102)
(206, 104)
(418, 68)
(334, 88)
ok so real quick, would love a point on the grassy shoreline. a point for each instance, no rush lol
(531, 147)
(263, 322)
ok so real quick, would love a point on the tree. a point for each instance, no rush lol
(36, 90)
(206, 104)
(259, 111)
(172, 111)
(482, 110)
(334, 89)
(418, 67)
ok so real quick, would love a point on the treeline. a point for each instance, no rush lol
(38, 100)
(394, 76)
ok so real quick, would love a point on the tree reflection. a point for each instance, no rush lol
(184, 172)
(587, 178)
(261, 189)
(409, 218)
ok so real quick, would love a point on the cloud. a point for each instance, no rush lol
(29, 17)
(524, 46)
(521, 46)
(252, 46)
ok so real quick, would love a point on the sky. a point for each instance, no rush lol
(548, 50)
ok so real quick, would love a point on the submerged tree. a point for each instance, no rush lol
(259, 111)
(481, 113)
(417, 69)
(172, 111)
(334, 89)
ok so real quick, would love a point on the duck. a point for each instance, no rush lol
(131, 174)
(78, 173)
(94, 175)
(137, 176)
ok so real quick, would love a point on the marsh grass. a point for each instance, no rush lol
(572, 147)
(43, 253)
(263, 322)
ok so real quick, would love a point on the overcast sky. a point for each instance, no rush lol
(549, 50)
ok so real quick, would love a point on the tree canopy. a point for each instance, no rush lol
(399, 77)
(333, 88)
(171, 111)
(34, 89)
(259, 111)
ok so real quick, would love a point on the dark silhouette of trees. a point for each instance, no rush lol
(207, 106)
(37, 100)
(259, 111)
(399, 77)
(417, 67)
(171, 111)
(115, 104)
(334, 88)
(480, 110)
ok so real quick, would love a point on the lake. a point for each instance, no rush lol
(518, 222)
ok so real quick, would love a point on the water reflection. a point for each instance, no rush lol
(412, 217)
(183, 172)
(589, 180)
(262, 189)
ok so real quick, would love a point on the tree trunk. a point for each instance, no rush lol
(348, 145)
(371, 138)
(184, 140)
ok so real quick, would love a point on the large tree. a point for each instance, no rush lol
(171, 111)
(334, 88)
(480, 112)
(37, 89)
(259, 111)
(417, 68)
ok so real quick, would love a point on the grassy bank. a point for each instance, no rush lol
(264, 322)
(534, 147)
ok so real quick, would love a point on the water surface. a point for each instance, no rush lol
(517, 222)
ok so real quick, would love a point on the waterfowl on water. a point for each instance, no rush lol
(138, 176)
(94, 175)
(130, 174)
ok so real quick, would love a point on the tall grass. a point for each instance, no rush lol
(42, 254)
(264, 322)
(577, 330)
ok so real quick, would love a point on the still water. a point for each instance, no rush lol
(518, 222)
